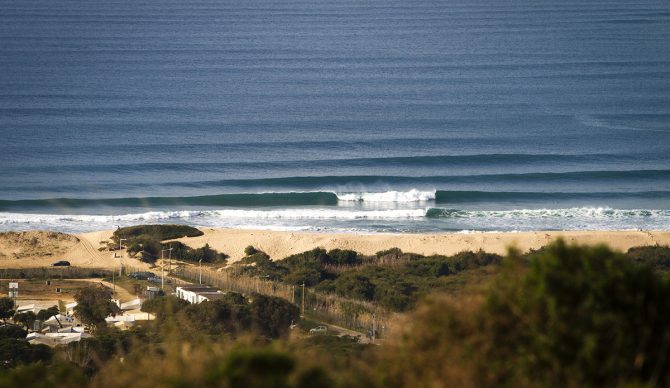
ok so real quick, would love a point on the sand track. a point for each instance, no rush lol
(41, 249)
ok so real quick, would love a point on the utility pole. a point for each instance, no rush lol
(200, 277)
(121, 256)
(303, 299)
(170, 260)
(163, 266)
(374, 327)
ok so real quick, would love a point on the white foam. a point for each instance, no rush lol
(413, 195)
(348, 218)
(284, 214)
(577, 212)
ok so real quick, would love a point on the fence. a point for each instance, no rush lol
(54, 272)
(352, 314)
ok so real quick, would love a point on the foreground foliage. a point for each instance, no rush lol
(565, 316)
(577, 316)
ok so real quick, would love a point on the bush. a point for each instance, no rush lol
(12, 331)
(250, 250)
(6, 308)
(253, 368)
(394, 252)
(43, 376)
(344, 257)
(14, 352)
(229, 315)
(576, 316)
(657, 257)
(164, 306)
(272, 316)
(158, 232)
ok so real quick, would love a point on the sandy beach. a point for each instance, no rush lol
(82, 251)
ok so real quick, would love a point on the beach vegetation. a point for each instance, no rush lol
(656, 256)
(146, 239)
(156, 232)
(392, 279)
(234, 314)
(250, 250)
(183, 252)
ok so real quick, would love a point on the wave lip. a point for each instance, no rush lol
(413, 195)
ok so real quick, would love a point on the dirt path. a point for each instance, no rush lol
(121, 293)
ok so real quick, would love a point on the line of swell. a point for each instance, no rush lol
(308, 182)
(232, 200)
(320, 198)
(433, 160)
(368, 182)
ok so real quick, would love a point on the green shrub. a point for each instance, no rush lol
(657, 257)
(250, 250)
(12, 331)
(15, 352)
(573, 316)
(157, 232)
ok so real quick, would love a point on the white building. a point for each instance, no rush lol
(54, 339)
(28, 307)
(198, 294)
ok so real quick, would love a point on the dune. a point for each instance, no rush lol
(281, 244)
(39, 249)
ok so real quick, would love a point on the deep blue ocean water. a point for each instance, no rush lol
(335, 115)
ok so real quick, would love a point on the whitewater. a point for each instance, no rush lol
(392, 211)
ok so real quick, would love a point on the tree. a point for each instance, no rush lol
(94, 304)
(6, 308)
(43, 315)
(26, 319)
(228, 315)
(272, 316)
(164, 307)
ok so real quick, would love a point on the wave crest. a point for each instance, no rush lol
(413, 195)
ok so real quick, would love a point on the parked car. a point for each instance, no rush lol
(142, 275)
(61, 263)
(156, 279)
(318, 330)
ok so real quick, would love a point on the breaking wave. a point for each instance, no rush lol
(342, 218)
(413, 195)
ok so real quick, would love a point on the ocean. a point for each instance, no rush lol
(367, 116)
